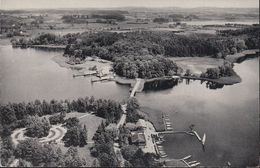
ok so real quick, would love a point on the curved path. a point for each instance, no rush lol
(56, 134)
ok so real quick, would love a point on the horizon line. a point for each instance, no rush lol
(62, 8)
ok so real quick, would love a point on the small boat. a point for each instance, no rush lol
(203, 139)
(195, 164)
(192, 162)
(187, 157)
(197, 135)
(158, 142)
(163, 156)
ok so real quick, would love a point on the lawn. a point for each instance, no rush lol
(91, 121)
(197, 65)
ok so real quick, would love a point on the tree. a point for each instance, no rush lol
(24, 163)
(71, 122)
(38, 154)
(107, 160)
(131, 109)
(129, 151)
(6, 151)
(72, 158)
(75, 136)
(58, 118)
(30, 150)
(7, 115)
(37, 127)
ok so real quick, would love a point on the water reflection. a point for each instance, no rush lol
(158, 85)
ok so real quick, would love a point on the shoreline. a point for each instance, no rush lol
(241, 56)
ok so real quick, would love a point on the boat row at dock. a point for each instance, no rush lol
(167, 122)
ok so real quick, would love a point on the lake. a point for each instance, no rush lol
(228, 116)
(29, 74)
(218, 22)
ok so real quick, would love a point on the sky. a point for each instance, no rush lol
(38, 4)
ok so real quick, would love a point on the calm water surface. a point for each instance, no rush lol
(228, 116)
(29, 74)
(219, 22)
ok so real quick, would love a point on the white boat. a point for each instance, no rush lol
(203, 139)
(195, 164)
(192, 162)
(187, 157)
(163, 156)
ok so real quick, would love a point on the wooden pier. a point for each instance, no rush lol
(84, 74)
(102, 79)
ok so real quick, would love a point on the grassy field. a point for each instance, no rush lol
(91, 121)
(197, 65)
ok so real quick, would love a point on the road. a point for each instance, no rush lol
(123, 117)
(138, 81)
(14, 163)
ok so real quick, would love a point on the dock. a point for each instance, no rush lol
(107, 78)
(84, 74)
(167, 123)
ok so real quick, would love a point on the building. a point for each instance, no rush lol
(141, 124)
(138, 138)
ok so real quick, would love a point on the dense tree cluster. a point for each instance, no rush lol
(221, 71)
(45, 39)
(144, 66)
(160, 20)
(117, 17)
(37, 127)
(12, 114)
(135, 157)
(31, 151)
(6, 150)
(249, 35)
(132, 114)
(104, 148)
(76, 136)
(78, 19)
(57, 118)
(133, 48)
(106, 15)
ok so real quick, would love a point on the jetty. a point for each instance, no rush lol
(106, 78)
(185, 161)
(84, 74)
(167, 123)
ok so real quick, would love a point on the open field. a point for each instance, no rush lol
(91, 121)
(197, 65)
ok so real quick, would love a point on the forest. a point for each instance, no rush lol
(33, 153)
(131, 51)
(13, 115)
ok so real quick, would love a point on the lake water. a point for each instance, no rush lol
(219, 22)
(228, 116)
(29, 74)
